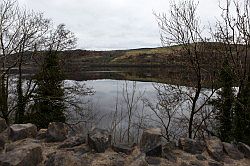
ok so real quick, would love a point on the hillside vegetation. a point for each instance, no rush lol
(162, 56)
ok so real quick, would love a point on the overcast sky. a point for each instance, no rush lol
(113, 24)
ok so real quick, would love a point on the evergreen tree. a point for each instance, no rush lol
(4, 98)
(224, 103)
(242, 114)
(49, 99)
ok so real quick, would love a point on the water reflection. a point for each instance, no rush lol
(108, 96)
(151, 105)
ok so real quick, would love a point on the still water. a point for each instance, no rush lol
(107, 91)
(118, 96)
(114, 95)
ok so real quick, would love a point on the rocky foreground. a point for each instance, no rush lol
(23, 145)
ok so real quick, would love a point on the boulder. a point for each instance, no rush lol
(183, 164)
(22, 131)
(245, 149)
(4, 135)
(22, 153)
(99, 140)
(228, 160)
(167, 152)
(215, 148)
(41, 134)
(169, 156)
(20, 143)
(191, 146)
(184, 155)
(169, 146)
(73, 141)
(3, 125)
(2, 143)
(214, 163)
(151, 142)
(200, 157)
(57, 132)
(109, 158)
(79, 150)
(123, 148)
(195, 163)
(62, 159)
(153, 160)
(139, 160)
(232, 151)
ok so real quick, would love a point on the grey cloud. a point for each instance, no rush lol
(111, 24)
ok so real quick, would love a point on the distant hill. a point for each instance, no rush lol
(158, 63)
(144, 57)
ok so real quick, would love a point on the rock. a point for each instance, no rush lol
(167, 151)
(2, 143)
(57, 132)
(22, 131)
(215, 148)
(108, 158)
(232, 151)
(62, 159)
(228, 160)
(214, 163)
(167, 154)
(79, 150)
(41, 134)
(245, 149)
(22, 153)
(151, 142)
(184, 156)
(170, 157)
(139, 160)
(183, 164)
(195, 163)
(200, 157)
(191, 146)
(20, 143)
(3, 125)
(73, 141)
(169, 146)
(153, 160)
(135, 158)
(123, 148)
(99, 140)
(5, 135)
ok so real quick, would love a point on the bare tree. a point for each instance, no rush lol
(131, 100)
(183, 27)
(128, 117)
(7, 12)
(166, 110)
(25, 32)
(32, 28)
(18, 31)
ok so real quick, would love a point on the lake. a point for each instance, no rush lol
(145, 94)
(112, 99)
(109, 94)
